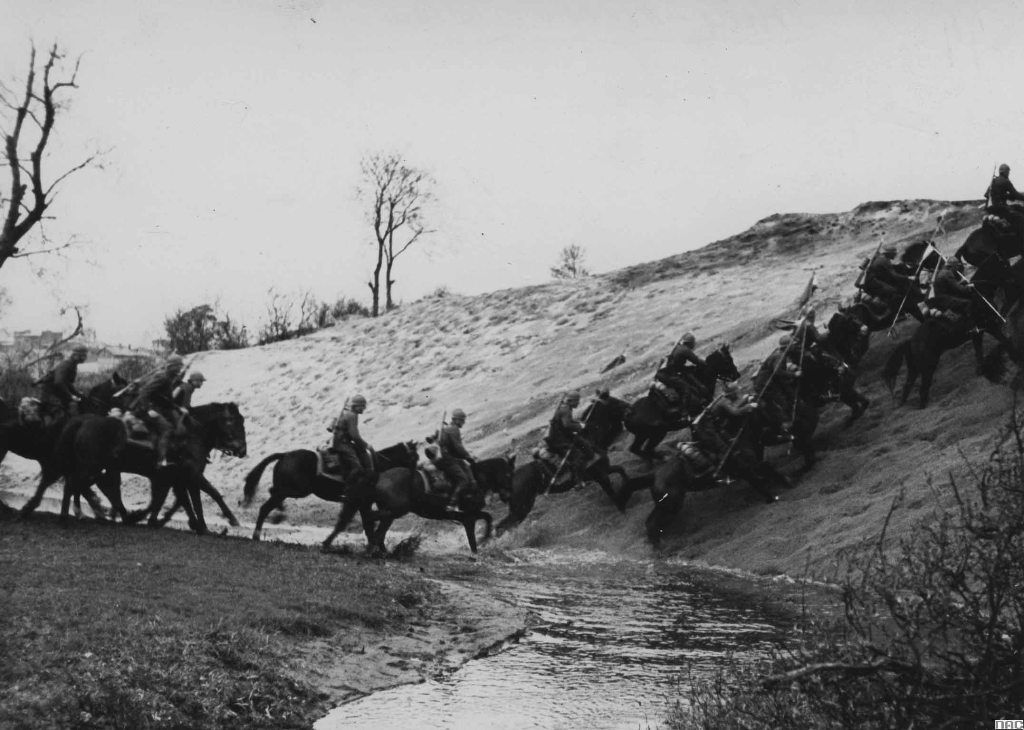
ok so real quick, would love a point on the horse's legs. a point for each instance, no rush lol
(488, 520)
(927, 373)
(45, 482)
(908, 384)
(368, 517)
(109, 483)
(469, 523)
(348, 511)
(384, 523)
(204, 485)
(272, 503)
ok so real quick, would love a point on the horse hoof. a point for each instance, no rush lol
(234, 523)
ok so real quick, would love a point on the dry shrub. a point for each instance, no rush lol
(931, 634)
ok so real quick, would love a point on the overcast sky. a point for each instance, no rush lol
(234, 131)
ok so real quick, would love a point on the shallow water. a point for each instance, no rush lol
(613, 645)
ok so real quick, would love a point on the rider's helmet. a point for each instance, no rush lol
(196, 377)
(357, 401)
(80, 349)
(458, 416)
(572, 398)
(174, 361)
(785, 340)
(1004, 169)
(889, 248)
(689, 339)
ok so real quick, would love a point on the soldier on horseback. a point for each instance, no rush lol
(565, 436)
(953, 293)
(58, 395)
(454, 460)
(353, 452)
(999, 193)
(884, 279)
(183, 393)
(154, 405)
(776, 380)
(683, 369)
(720, 424)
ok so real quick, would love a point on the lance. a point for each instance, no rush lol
(864, 271)
(982, 298)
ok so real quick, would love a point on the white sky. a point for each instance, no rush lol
(635, 129)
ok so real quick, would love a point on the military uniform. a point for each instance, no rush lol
(565, 436)
(454, 460)
(883, 279)
(951, 292)
(721, 423)
(350, 447)
(154, 405)
(683, 370)
(1000, 192)
(57, 391)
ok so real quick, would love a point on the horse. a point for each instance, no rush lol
(848, 336)
(96, 450)
(827, 379)
(648, 418)
(990, 254)
(683, 473)
(603, 423)
(295, 476)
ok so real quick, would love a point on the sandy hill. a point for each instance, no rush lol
(505, 358)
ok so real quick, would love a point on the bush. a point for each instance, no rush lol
(932, 629)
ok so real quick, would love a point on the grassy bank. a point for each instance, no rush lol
(107, 626)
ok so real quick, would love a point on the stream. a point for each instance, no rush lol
(612, 645)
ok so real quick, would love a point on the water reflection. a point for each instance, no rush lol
(614, 645)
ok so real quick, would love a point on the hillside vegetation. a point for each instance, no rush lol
(505, 357)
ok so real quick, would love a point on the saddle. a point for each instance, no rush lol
(328, 465)
(703, 464)
(550, 463)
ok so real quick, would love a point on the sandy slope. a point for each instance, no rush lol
(506, 356)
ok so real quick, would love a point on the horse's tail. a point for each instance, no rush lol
(252, 479)
(893, 365)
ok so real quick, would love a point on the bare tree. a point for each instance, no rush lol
(28, 121)
(396, 194)
(570, 263)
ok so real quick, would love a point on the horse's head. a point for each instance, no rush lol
(403, 454)
(495, 475)
(721, 363)
(225, 424)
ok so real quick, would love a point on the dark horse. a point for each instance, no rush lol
(399, 492)
(603, 424)
(96, 450)
(922, 350)
(649, 419)
(682, 474)
(295, 476)
(990, 254)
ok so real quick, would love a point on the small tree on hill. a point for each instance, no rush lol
(396, 194)
(200, 328)
(28, 118)
(570, 263)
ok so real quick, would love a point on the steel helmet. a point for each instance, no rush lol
(80, 348)
(889, 248)
(1004, 168)
(357, 401)
(785, 340)
(196, 376)
(689, 339)
(572, 397)
(175, 360)
(458, 415)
